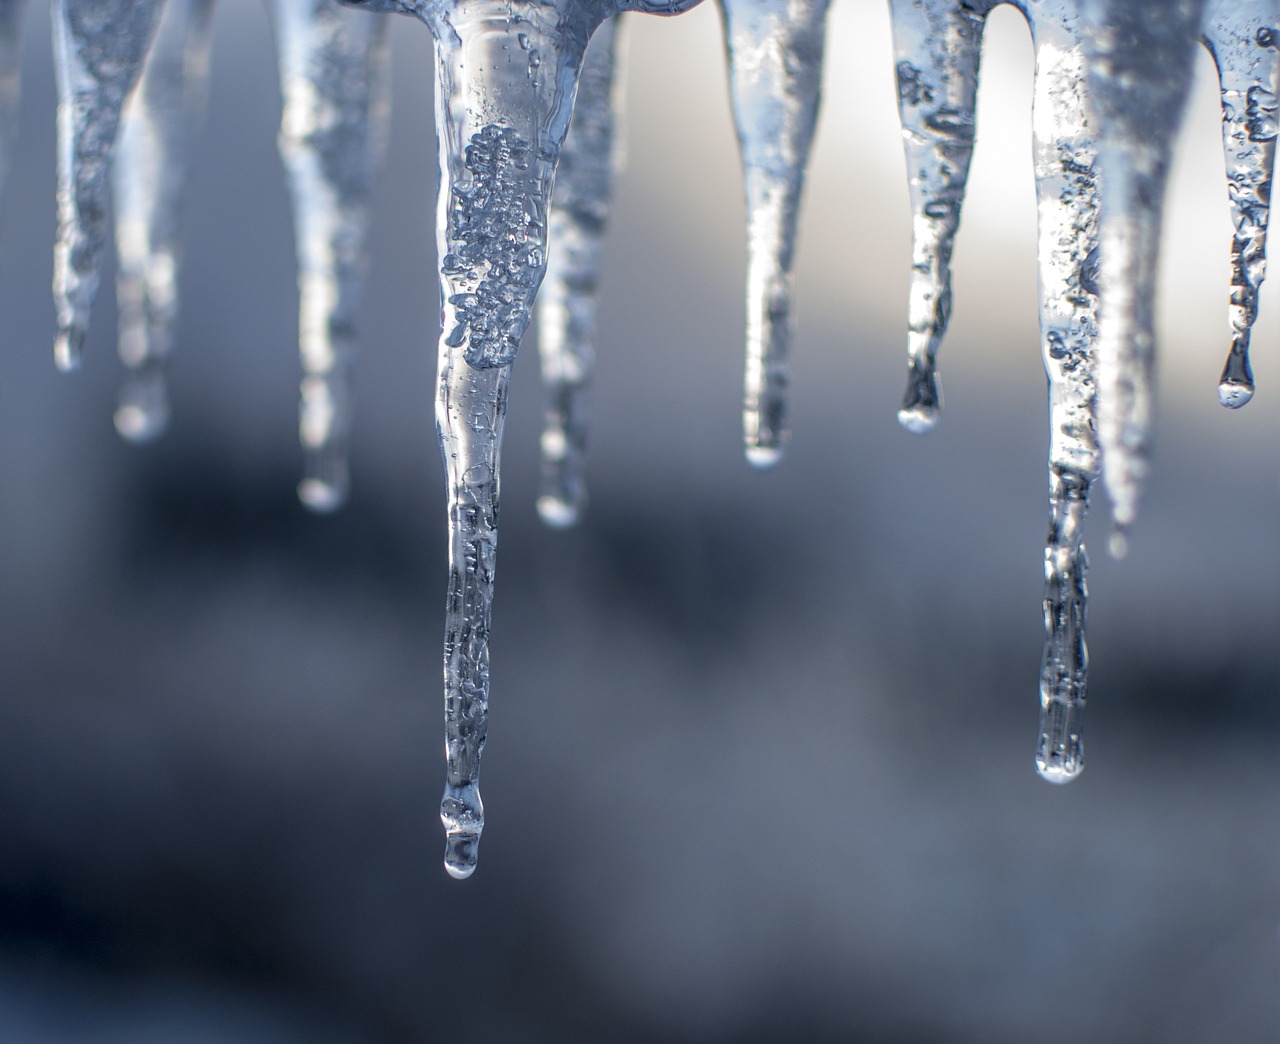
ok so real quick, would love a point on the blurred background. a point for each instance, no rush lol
(760, 756)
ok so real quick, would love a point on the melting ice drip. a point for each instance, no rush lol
(1110, 82)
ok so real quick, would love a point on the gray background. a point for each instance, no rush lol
(760, 755)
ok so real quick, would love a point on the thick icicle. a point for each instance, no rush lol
(567, 301)
(937, 48)
(1243, 36)
(507, 73)
(775, 50)
(148, 174)
(98, 47)
(334, 84)
(10, 80)
(1067, 201)
(1139, 68)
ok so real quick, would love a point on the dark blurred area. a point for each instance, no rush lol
(760, 757)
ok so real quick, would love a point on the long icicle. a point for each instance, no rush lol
(566, 310)
(10, 80)
(937, 49)
(147, 177)
(333, 79)
(775, 51)
(1243, 37)
(1139, 68)
(98, 47)
(1067, 203)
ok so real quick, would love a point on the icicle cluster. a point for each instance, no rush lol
(1110, 84)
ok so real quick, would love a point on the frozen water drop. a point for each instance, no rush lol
(1118, 542)
(775, 51)
(333, 80)
(147, 182)
(99, 47)
(462, 813)
(567, 301)
(937, 49)
(1240, 36)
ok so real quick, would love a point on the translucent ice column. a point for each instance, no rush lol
(10, 80)
(1243, 36)
(775, 51)
(334, 85)
(937, 46)
(1139, 67)
(507, 74)
(148, 175)
(567, 300)
(1065, 155)
(98, 48)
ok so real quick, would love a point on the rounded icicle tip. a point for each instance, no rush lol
(557, 513)
(320, 496)
(1118, 542)
(68, 349)
(1058, 768)
(138, 424)
(764, 457)
(920, 418)
(1233, 394)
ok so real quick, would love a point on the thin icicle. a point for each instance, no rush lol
(1139, 68)
(937, 48)
(507, 73)
(1243, 37)
(148, 175)
(775, 51)
(1067, 202)
(98, 48)
(333, 79)
(10, 80)
(567, 301)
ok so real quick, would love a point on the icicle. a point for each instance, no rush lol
(1243, 37)
(937, 47)
(10, 80)
(98, 47)
(775, 51)
(1139, 69)
(567, 301)
(507, 73)
(1067, 202)
(332, 129)
(148, 174)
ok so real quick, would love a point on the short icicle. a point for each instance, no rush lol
(937, 50)
(98, 47)
(566, 310)
(1244, 37)
(10, 80)
(333, 80)
(1067, 202)
(1139, 69)
(507, 73)
(148, 174)
(775, 52)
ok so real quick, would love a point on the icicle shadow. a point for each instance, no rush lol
(148, 175)
(1243, 37)
(937, 49)
(1139, 68)
(333, 79)
(1067, 202)
(775, 53)
(566, 311)
(507, 74)
(99, 47)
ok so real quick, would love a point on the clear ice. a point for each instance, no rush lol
(98, 47)
(147, 177)
(566, 313)
(775, 52)
(1243, 37)
(1110, 84)
(10, 80)
(333, 80)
